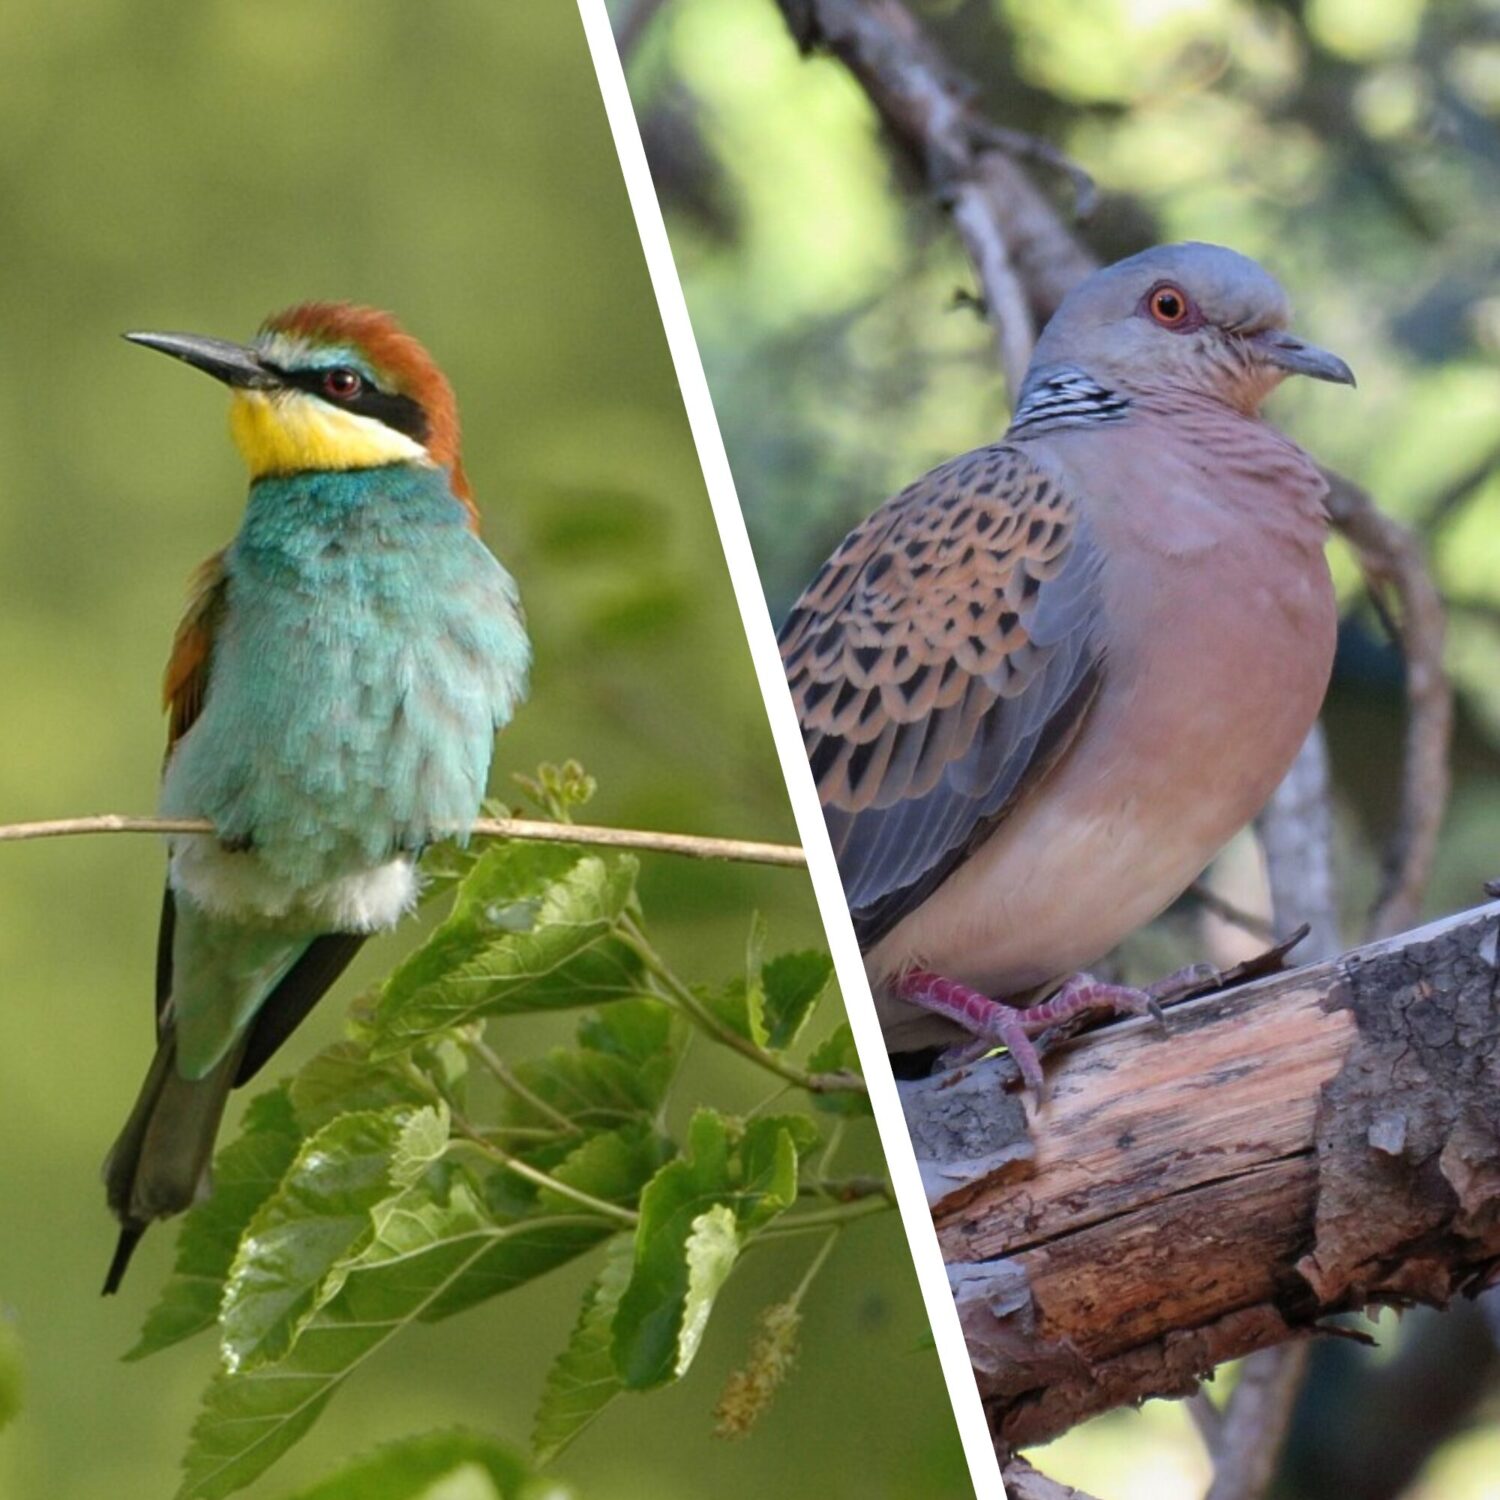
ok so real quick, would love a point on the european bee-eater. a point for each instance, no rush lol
(333, 692)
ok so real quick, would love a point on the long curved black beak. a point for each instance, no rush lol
(234, 364)
(1297, 357)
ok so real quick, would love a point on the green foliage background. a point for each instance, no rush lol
(196, 167)
(1354, 147)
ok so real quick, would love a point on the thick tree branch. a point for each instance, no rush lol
(691, 845)
(1311, 1144)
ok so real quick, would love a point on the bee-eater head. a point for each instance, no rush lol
(330, 385)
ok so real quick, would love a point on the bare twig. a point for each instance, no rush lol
(1392, 557)
(1004, 299)
(1006, 224)
(1041, 152)
(1022, 1482)
(1226, 911)
(1296, 832)
(1207, 1418)
(1254, 1428)
(690, 845)
(1459, 491)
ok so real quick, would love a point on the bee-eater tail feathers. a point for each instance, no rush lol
(130, 1237)
(160, 1163)
(289, 1004)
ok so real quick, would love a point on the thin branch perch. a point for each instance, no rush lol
(690, 845)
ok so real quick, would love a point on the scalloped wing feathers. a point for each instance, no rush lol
(941, 660)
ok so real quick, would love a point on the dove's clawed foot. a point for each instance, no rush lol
(995, 1024)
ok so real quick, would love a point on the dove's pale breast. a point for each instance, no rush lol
(1219, 625)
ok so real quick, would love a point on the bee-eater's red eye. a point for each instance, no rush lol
(342, 384)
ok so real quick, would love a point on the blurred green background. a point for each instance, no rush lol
(197, 167)
(1354, 147)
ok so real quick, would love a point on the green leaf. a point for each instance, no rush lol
(533, 928)
(793, 983)
(12, 1372)
(583, 1379)
(639, 1030)
(613, 1166)
(837, 1054)
(558, 791)
(741, 1007)
(712, 1249)
(649, 1324)
(776, 997)
(627, 1054)
(246, 1173)
(695, 1215)
(342, 1079)
(767, 1160)
(593, 1090)
(317, 1217)
(528, 1248)
(423, 1139)
(741, 1004)
(435, 1466)
(421, 1247)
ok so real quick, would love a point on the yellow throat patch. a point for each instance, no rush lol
(288, 432)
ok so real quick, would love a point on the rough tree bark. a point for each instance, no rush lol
(1126, 1239)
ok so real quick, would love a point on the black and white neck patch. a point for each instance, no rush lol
(1065, 398)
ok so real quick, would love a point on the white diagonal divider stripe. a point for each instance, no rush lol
(932, 1275)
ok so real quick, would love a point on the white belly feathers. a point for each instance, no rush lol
(236, 885)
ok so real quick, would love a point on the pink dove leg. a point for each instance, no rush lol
(994, 1023)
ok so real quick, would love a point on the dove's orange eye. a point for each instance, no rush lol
(1169, 305)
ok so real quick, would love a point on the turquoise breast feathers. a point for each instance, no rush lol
(370, 646)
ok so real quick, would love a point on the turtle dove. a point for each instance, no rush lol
(1046, 683)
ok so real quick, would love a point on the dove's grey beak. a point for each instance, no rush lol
(1297, 357)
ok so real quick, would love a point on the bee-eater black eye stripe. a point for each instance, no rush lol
(400, 413)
